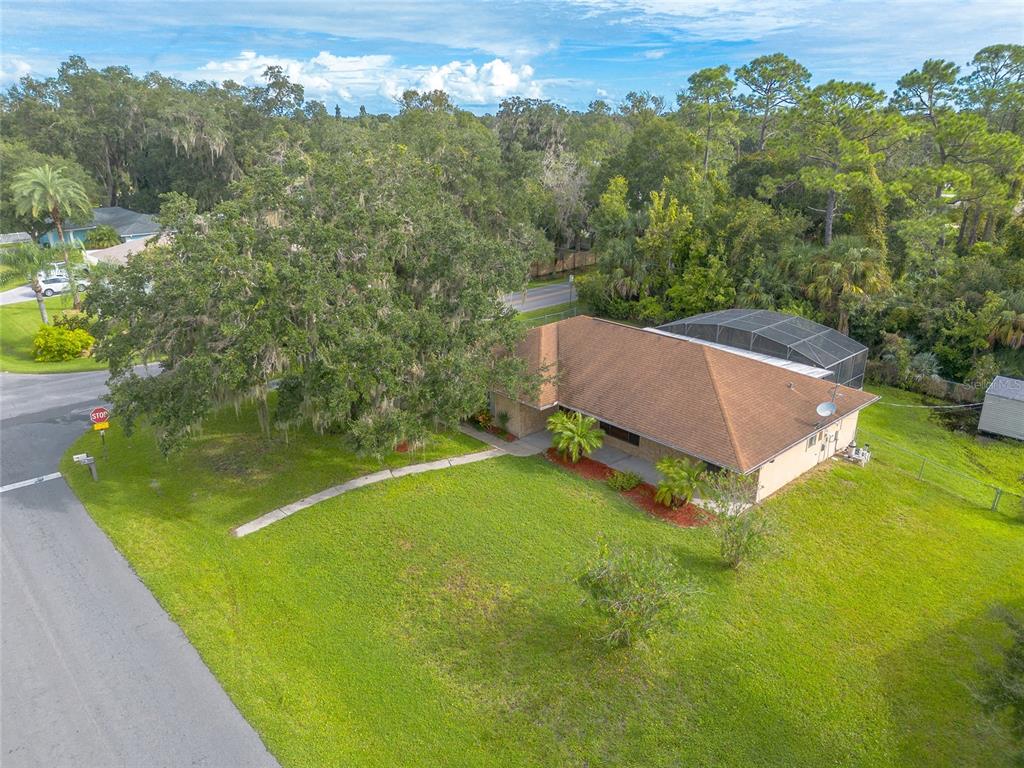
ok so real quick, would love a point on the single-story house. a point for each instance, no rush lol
(1002, 412)
(13, 238)
(118, 254)
(657, 394)
(128, 224)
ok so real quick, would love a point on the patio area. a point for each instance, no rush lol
(623, 462)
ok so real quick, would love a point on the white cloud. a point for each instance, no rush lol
(655, 54)
(13, 69)
(350, 78)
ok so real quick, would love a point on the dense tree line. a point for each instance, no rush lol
(324, 250)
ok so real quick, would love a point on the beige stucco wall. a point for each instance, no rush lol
(522, 419)
(789, 465)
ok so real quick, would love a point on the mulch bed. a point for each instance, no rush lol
(686, 515)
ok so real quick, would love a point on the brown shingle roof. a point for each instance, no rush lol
(727, 409)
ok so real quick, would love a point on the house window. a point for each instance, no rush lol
(812, 441)
(619, 434)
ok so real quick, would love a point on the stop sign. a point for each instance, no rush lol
(99, 415)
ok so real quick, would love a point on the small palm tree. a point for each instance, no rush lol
(684, 478)
(29, 259)
(47, 191)
(574, 435)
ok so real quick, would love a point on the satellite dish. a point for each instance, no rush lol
(825, 409)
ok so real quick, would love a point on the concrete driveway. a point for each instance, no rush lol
(93, 673)
(15, 295)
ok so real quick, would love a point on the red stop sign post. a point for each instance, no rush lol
(99, 416)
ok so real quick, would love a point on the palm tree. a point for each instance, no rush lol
(29, 259)
(574, 435)
(843, 273)
(47, 191)
(684, 478)
(1008, 324)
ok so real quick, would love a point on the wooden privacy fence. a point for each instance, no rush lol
(954, 391)
(566, 261)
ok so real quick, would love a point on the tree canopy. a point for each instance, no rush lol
(356, 263)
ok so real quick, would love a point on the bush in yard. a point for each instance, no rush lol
(683, 479)
(53, 344)
(482, 419)
(102, 237)
(574, 435)
(731, 509)
(1002, 695)
(73, 320)
(638, 593)
(623, 481)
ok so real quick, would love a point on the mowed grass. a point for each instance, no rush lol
(432, 620)
(909, 433)
(19, 324)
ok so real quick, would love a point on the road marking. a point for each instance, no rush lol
(33, 481)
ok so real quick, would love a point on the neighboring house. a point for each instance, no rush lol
(128, 224)
(13, 238)
(1003, 410)
(661, 395)
(118, 254)
(788, 340)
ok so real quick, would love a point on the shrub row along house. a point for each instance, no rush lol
(657, 394)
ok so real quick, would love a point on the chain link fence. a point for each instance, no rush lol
(972, 490)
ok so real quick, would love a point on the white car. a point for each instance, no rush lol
(60, 284)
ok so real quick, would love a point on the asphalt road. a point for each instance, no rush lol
(540, 297)
(93, 673)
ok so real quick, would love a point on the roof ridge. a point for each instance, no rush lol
(734, 444)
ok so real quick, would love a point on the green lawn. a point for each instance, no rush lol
(550, 314)
(431, 620)
(18, 325)
(903, 436)
(10, 278)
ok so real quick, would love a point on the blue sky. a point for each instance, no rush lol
(571, 51)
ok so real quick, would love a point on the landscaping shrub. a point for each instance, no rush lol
(683, 479)
(638, 593)
(102, 237)
(623, 481)
(732, 512)
(574, 435)
(73, 320)
(482, 419)
(53, 344)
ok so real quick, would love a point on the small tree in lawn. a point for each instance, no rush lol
(683, 479)
(638, 593)
(574, 435)
(730, 501)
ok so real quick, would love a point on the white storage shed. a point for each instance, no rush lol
(1003, 410)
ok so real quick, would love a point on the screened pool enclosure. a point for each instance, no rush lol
(780, 336)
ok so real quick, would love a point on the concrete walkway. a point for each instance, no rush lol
(385, 474)
(530, 445)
